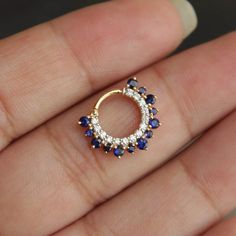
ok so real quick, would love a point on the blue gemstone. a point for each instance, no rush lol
(142, 90)
(89, 133)
(107, 148)
(153, 111)
(84, 121)
(150, 99)
(131, 149)
(142, 143)
(119, 151)
(96, 143)
(148, 134)
(132, 83)
(154, 123)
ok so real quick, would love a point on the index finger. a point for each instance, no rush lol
(49, 68)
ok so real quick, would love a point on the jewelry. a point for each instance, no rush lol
(139, 139)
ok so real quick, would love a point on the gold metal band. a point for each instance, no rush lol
(105, 96)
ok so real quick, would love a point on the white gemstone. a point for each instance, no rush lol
(129, 92)
(125, 141)
(136, 96)
(145, 117)
(143, 112)
(97, 128)
(142, 103)
(143, 127)
(139, 133)
(109, 139)
(132, 139)
(94, 121)
(117, 141)
(103, 134)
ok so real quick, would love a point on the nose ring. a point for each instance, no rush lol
(139, 139)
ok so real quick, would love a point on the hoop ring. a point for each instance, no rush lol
(139, 139)
(105, 96)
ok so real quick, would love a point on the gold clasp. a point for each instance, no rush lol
(105, 96)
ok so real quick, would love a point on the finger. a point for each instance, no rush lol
(52, 66)
(227, 227)
(56, 159)
(185, 197)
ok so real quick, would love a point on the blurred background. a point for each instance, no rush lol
(216, 17)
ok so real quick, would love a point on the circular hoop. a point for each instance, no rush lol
(139, 137)
(105, 96)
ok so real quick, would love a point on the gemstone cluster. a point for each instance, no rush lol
(137, 140)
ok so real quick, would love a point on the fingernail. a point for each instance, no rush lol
(188, 16)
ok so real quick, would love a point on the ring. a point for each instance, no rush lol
(137, 140)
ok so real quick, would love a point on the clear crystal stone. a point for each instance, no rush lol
(117, 141)
(142, 103)
(94, 121)
(97, 128)
(125, 141)
(143, 113)
(139, 133)
(129, 92)
(132, 139)
(109, 139)
(145, 117)
(103, 134)
(136, 96)
(143, 127)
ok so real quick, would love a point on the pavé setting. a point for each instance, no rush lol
(137, 140)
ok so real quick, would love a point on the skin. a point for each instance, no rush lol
(53, 183)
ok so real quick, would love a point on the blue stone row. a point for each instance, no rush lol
(119, 150)
(141, 144)
(133, 84)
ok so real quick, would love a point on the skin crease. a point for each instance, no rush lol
(50, 178)
(227, 227)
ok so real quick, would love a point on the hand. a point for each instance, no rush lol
(52, 181)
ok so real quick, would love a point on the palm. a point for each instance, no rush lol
(50, 179)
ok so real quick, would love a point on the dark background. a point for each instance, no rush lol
(216, 17)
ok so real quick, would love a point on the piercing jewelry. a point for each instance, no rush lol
(139, 139)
